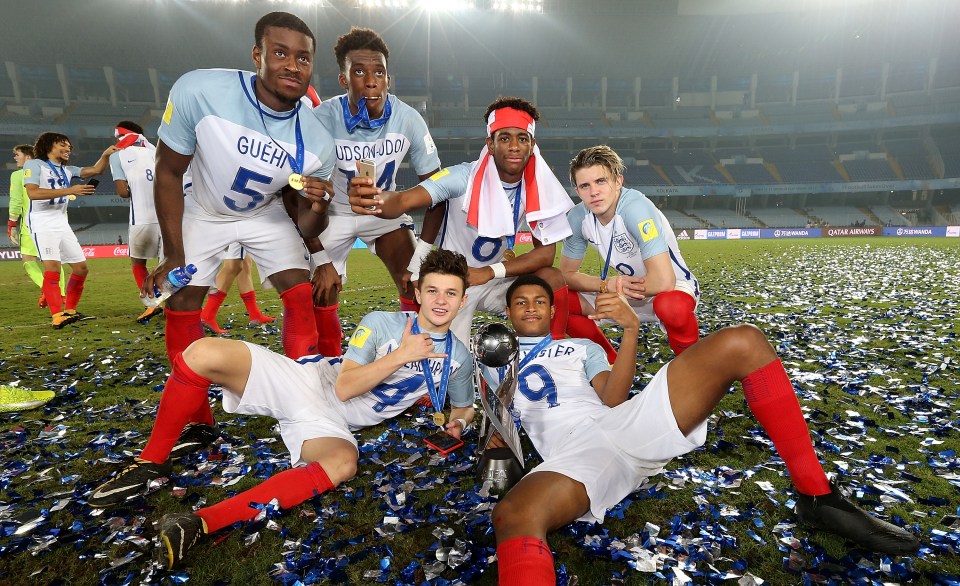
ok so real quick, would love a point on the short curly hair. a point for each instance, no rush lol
(359, 38)
(516, 104)
(45, 142)
(445, 262)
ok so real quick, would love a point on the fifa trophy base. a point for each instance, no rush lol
(499, 470)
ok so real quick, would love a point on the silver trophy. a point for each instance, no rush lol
(495, 346)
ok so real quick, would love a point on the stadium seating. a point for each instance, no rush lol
(722, 218)
(839, 216)
(681, 221)
(889, 216)
(779, 217)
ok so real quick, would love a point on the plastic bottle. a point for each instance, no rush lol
(176, 279)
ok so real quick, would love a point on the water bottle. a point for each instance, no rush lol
(176, 279)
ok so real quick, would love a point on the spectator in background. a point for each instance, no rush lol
(133, 173)
(18, 223)
(47, 180)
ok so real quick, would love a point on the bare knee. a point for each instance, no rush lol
(339, 465)
(512, 517)
(747, 346)
(80, 269)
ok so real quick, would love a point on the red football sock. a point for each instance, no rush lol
(290, 488)
(580, 326)
(181, 330)
(408, 304)
(774, 403)
(525, 560)
(253, 310)
(74, 291)
(674, 309)
(212, 306)
(329, 332)
(184, 395)
(140, 273)
(299, 333)
(51, 291)
(561, 304)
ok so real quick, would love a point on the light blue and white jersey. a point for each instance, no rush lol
(639, 231)
(450, 184)
(49, 215)
(241, 149)
(404, 133)
(553, 389)
(380, 333)
(135, 165)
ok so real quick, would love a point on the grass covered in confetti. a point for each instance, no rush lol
(868, 328)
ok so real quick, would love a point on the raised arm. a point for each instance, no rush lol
(101, 165)
(613, 387)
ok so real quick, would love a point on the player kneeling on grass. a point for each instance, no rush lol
(318, 402)
(598, 445)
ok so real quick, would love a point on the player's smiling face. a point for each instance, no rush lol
(599, 190)
(60, 152)
(530, 311)
(440, 297)
(511, 148)
(366, 76)
(284, 64)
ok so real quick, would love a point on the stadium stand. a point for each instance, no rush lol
(722, 218)
(779, 217)
(839, 216)
(888, 216)
(681, 221)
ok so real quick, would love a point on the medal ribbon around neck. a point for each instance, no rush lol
(606, 262)
(511, 240)
(437, 395)
(362, 116)
(59, 171)
(540, 347)
(296, 164)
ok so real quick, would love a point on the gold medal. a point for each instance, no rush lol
(603, 285)
(72, 197)
(439, 419)
(509, 254)
(296, 181)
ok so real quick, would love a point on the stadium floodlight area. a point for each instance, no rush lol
(428, 5)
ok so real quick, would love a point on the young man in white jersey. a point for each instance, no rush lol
(252, 145)
(369, 123)
(486, 201)
(391, 361)
(18, 223)
(47, 181)
(634, 239)
(133, 169)
(598, 443)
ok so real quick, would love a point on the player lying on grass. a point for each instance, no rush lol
(318, 402)
(598, 444)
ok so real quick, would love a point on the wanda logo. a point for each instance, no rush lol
(120, 251)
(89, 251)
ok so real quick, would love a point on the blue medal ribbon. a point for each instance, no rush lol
(541, 345)
(61, 174)
(296, 164)
(437, 395)
(516, 218)
(606, 262)
(362, 117)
